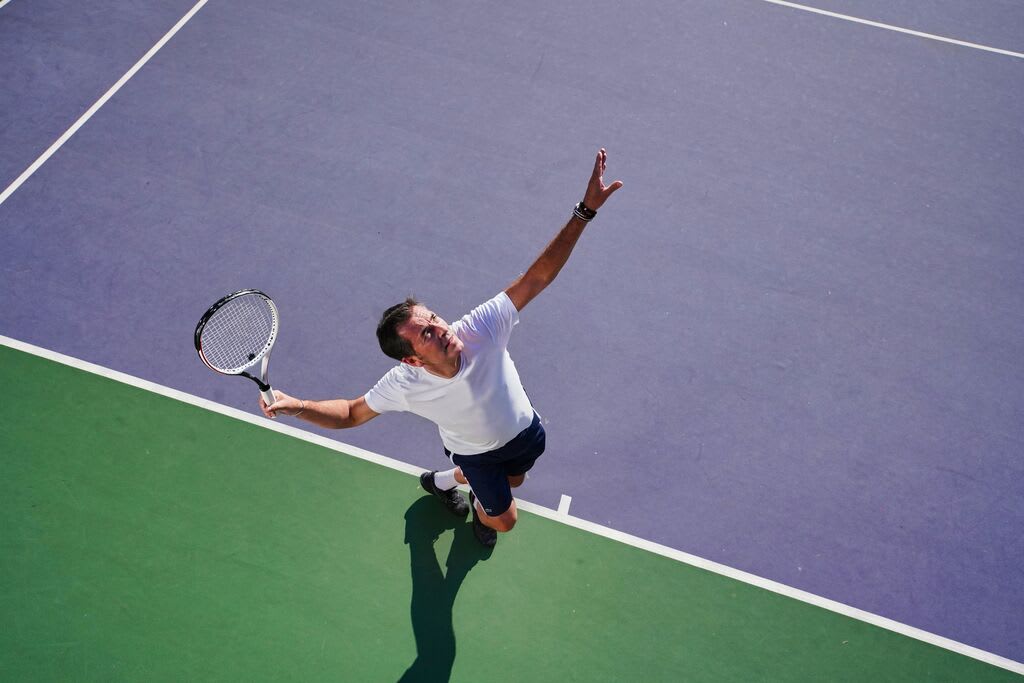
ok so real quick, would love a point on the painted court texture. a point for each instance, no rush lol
(135, 547)
(790, 345)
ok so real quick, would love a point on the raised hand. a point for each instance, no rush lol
(597, 193)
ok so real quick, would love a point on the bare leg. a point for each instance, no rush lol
(503, 522)
(506, 520)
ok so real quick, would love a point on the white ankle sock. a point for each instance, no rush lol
(445, 480)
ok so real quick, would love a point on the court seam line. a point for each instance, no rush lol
(553, 515)
(44, 157)
(897, 29)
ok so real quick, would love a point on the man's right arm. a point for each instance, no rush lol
(339, 413)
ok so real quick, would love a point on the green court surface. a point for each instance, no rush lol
(144, 538)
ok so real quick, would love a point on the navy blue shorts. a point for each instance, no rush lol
(488, 472)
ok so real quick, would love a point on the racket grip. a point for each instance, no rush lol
(268, 396)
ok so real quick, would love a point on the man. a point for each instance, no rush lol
(461, 377)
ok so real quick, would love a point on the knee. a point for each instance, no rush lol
(505, 521)
(504, 526)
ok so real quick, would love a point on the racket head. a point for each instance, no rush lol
(237, 332)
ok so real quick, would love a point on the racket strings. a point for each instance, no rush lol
(239, 333)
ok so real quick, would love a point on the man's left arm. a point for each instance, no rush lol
(550, 262)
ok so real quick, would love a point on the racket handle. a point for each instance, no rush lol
(268, 396)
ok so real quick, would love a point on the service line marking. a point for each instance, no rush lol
(898, 29)
(96, 106)
(547, 513)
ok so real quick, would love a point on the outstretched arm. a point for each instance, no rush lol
(338, 413)
(550, 262)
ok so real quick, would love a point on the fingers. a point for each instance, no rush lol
(268, 411)
(274, 409)
(597, 178)
(597, 192)
(599, 163)
(271, 410)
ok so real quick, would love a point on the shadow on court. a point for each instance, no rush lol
(434, 591)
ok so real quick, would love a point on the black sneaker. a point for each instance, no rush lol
(485, 534)
(452, 499)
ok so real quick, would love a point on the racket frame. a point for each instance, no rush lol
(263, 357)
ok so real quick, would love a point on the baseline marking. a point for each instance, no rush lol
(547, 513)
(897, 29)
(4, 2)
(99, 103)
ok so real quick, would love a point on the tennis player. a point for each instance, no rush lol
(461, 377)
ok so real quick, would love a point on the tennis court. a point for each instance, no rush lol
(137, 547)
(780, 375)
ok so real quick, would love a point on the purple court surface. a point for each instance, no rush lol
(791, 344)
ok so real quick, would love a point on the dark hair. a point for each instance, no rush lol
(387, 330)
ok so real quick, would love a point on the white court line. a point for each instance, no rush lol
(890, 27)
(131, 72)
(555, 515)
(563, 505)
(99, 103)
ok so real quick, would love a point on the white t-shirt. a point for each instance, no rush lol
(484, 406)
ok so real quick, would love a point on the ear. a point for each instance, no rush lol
(413, 361)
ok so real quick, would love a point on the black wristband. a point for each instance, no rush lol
(583, 213)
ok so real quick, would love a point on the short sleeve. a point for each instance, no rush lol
(387, 395)
(494, 318)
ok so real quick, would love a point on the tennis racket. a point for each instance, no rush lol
(237, 333)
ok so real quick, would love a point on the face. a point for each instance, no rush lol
(432, 339)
